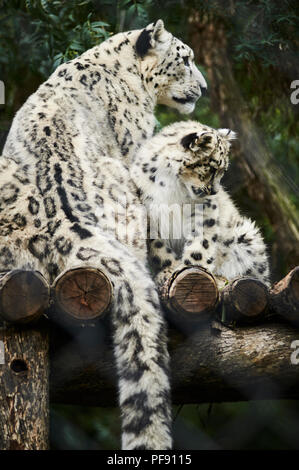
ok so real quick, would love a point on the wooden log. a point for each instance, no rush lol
(284, 297)
(190, 294)
(213, 363)
(81, 295)
(245, 300)
(24, 296)
(24, 388)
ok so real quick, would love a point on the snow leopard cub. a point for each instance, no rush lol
(194, 220)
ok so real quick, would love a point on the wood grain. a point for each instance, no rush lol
(81, 294)
(213, 363)
(285, 297)
(24, 389)
(24, 296)
(190, 294)
(243, 301)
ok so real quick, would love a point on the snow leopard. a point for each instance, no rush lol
(64, 173)
(192, 218)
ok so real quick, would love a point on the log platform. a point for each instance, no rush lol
(244, 300)
(210, 360)
(24, 296)
(284, 297)
(190, 294)
(81, 295)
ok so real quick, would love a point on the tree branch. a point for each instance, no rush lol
(24, 388)
(213, 364)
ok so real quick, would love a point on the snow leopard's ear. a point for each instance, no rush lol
(195, 142)
(228, 134)
(150, 37)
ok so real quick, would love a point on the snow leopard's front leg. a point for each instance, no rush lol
(200, 231)
(163, 260)
(242, 251)
(202, 235)
(242, 259)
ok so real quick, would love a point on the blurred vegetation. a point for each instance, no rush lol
(38, 35)
(262, 425)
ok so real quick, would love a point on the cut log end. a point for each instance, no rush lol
(82, 294)
(245, 299)
(284, 299)
(250, 297)
(24, 296)
(190, 293)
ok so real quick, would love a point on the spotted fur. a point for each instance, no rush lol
(63, 172)
(181, 167)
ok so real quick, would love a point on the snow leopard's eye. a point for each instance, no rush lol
(188, 140)
(195, 142)
(186, 61)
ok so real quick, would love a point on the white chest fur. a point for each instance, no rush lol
(169, 208)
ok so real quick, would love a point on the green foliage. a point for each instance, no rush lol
(88, 428)
(264, 30)
(38, 35)
(258, 29)
(201, 113)
(243, 425)
(44, 33)
(262, 425)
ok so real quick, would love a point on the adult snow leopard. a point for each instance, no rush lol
(63, 171)
(178, 173)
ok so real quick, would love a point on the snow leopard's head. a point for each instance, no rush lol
(168, 69)
(205, 157)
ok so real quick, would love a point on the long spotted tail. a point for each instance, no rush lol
(143, 367)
